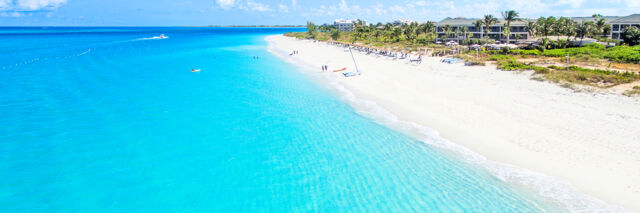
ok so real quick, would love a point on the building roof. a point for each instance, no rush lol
(607, 19)
(456, 21)
(635, 18)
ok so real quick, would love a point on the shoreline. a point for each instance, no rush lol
(502, 116)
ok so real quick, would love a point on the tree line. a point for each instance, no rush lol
(543, 28)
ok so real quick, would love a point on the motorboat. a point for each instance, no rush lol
(162, 36)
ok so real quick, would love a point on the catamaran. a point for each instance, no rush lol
(354, 73)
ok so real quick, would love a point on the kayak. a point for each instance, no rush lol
(340, 70)
(195, 70)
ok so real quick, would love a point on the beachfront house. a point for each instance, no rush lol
(518, 30)
(618, 25)
(347, 25)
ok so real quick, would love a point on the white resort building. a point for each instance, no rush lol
(618, 25)
(402, 22)
(518, 30)
(347, 25)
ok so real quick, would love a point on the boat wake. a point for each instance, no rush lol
(85, 52)
(161, 36)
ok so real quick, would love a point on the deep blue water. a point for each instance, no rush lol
(102, 120)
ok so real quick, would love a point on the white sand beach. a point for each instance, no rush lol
(589, 139)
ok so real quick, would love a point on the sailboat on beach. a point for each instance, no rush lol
(354, 73)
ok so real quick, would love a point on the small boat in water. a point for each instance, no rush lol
(162, 36)
(195, 70)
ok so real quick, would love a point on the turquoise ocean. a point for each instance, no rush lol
(111, 120)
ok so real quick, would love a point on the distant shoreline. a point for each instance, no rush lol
(232, 26)
(257, 26)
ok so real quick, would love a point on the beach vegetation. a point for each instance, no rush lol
(509, 16)
(312, 29)
(335, 34)
(488, 21)
(623, 54)
(608, 62)
(635, 91)
(591, 77)
(631, 35)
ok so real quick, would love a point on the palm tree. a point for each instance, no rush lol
(410, 31)
(544, 43)
(457, 33)
(478, 26)
(312, 29)
(464, 30)
(377, 33)
(506, 31)
(396, 33)
(545, 25)
(631, 35)
(431, 26)
(567, 27)
(531, 28)
(488, 21)
(558, 27)
(388, 27)
(335, 34)
(510, 16)
(447, 31)
(584, 29)
(600, 25)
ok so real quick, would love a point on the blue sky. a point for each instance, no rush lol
(228, 12)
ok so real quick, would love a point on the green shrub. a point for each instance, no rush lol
(511, 65)
(502, 58)
(624, 54)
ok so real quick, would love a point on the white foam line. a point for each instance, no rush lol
(553, 189)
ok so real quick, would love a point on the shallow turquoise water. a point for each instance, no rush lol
(102, 120)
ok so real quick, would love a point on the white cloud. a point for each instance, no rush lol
(378, 9)
(11, 14)
(246, 6)
(29, 5)
(226, 4)
(572, 3)
(255, 6)
(283, 8)
(397, 9)
(39, 4)
(294, 3)
(4, 3)
(343, 6)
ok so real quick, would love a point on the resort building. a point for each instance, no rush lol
(618, 25)
(518, 30)
(347, 25)
(402, 22)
